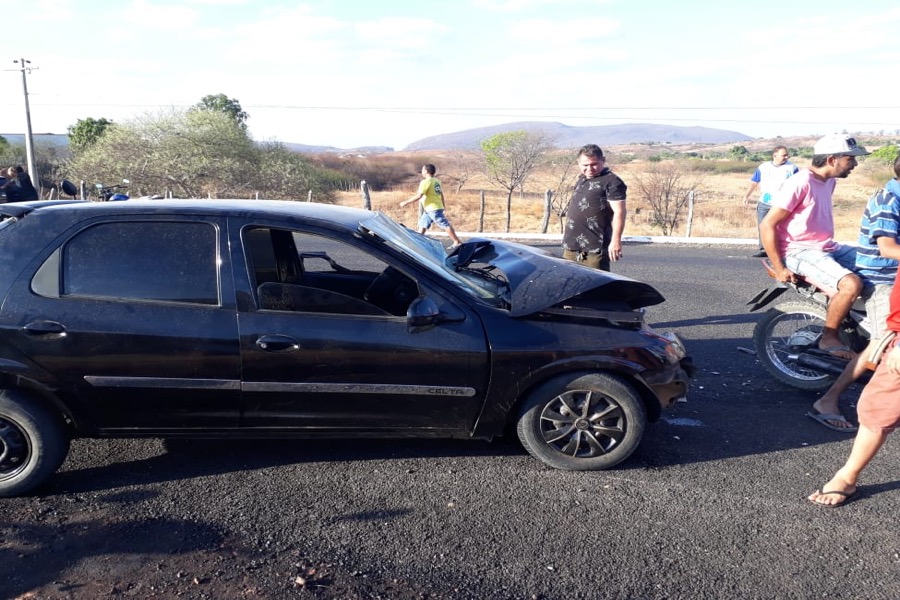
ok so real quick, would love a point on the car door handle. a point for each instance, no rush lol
(277, 343)
(46, 329)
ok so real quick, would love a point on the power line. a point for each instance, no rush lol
(467, 109)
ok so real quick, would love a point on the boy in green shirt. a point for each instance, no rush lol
(432, 198)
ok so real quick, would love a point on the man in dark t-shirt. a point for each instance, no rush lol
(595, 217)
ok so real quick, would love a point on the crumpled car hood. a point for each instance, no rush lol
(538, 280)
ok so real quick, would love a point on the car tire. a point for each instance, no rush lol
(33, 443)
(586, 422)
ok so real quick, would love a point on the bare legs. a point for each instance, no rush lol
(849, 288)
(865, 447)
(452, 233)
(829, 402)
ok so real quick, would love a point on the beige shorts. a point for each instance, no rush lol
(595, 260)
(878, 307)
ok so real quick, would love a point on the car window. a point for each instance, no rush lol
(140, 260)
(302, 272)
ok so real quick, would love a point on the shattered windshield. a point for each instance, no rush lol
(430, 252)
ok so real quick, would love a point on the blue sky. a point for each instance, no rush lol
(354, 73)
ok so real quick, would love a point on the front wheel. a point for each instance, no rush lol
(33, 443)
(784, 332)
(587, 422)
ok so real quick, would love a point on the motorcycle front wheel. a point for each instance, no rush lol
(785, 331)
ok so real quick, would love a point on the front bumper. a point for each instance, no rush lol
(670, 383)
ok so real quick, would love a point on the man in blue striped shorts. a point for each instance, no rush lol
(876, 262)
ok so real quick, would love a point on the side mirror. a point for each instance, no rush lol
(68, 188)
(422, 314)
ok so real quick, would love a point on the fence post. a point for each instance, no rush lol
(367, 200)
(481, 214)
(309, 196)
(690, 217)
(548, 202)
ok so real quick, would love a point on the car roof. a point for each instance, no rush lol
(347, 216)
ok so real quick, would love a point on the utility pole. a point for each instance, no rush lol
(29, 142)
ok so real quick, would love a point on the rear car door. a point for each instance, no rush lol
(325, 342)
(133, 320)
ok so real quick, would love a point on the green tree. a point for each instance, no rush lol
(887, 153)
(286, 174)
(225, 105)
(739, 153)
(7, 152)
(197, 153)
(192, 153)
(85, 132)
(510, 157)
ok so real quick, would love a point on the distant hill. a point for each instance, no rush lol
(46, 139)
(566, 136)
(305, 149)
(55, 139)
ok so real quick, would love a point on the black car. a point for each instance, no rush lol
(218, 318)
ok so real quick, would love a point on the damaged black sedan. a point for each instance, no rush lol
(200, 318)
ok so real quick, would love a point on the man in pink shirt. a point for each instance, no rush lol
(798, 235)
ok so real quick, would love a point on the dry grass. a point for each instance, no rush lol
(718, 210)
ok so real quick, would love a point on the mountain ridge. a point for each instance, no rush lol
(568, 136)
(562, 136)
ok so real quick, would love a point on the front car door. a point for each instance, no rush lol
(326, 345)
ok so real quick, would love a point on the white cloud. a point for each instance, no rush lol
(46, 11)
(161, 18)
(405, 32)
(526, 5)
(545, 31)
(206, 3)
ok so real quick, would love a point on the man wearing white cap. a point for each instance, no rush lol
(798, 234)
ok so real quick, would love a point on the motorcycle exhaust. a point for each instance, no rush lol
(819, 364)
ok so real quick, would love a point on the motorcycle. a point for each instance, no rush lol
(786, 339)
(111, 193)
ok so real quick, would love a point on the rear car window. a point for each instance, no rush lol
(162, 261)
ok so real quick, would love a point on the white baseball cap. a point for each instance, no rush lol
(838, 143)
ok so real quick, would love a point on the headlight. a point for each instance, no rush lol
(676, 347)
(671, 350)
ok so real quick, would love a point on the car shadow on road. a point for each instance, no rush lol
(732, 319)
(35, 554)
(187, 459)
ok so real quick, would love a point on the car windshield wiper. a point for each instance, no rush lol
(496, 280)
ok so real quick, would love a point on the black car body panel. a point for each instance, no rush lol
(265, 318)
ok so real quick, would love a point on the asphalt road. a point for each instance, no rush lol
(712, 505)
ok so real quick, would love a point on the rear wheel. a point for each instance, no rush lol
(785, 331)
(589, 422)
(33, 443)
